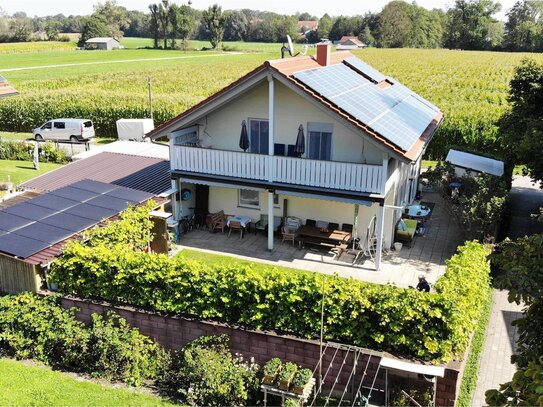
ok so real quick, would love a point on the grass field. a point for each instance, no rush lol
(470, 87)
(26, 385)
(21, 171)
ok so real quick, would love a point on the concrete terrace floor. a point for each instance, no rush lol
(426, 255)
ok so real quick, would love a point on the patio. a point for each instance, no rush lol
(426, 255)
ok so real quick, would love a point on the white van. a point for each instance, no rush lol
(65, 129)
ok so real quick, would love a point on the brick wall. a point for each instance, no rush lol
(175, 332)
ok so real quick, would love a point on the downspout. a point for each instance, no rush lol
(271, 167)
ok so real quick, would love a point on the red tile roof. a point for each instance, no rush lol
(6, 89)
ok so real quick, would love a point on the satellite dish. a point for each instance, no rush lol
(289, 48)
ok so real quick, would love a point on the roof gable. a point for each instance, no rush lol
(380, 106)
(6, 89)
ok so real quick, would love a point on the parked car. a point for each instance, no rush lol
(65, 129)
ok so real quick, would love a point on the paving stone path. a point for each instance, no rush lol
(495, 365)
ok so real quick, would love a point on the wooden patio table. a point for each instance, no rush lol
(325, 237)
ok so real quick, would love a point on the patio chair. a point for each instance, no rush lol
(293, 223)
(288, 234)
(334, 226)
(262, 224)
(347, 227)
(310, 222)
(237, 226)
(218, 221)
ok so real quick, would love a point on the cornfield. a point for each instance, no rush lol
(470, 87)
(41, 46)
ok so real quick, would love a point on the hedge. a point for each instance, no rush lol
(429, 326)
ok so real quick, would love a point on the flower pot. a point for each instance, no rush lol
(299, 389)
(285, 384)
(268, 379)
(398, 246)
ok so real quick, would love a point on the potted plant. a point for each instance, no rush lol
(285, 375)
(301, 380)
(270, 370)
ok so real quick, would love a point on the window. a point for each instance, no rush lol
(258, 138)
(320, 141)
(249, 198)
(46, 125)
(59, 125)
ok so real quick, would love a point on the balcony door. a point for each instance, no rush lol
(320, 141)
(259, 136)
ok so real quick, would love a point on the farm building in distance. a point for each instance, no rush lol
(349, 42)
(102, 43)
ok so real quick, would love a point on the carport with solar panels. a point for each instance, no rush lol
(37, 224)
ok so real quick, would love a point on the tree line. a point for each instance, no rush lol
(468, 24)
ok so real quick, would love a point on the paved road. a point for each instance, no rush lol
(495, 365)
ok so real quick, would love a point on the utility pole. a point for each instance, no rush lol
(150, 97)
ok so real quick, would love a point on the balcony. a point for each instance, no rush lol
(286, 170)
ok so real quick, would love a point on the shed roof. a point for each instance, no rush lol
(137, 148)
(142, 173)
(6, 89)
(100, 39)
(475, 162)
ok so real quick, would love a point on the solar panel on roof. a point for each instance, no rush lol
(30, 211)
(129, 195)
(93, 212)
(396, 112)
(68, 221)
(94, 186)
(53, 202)
(9, 222)
(43, 233)
(365, 69)
(109, 202)
(78, 194)
(20, 246)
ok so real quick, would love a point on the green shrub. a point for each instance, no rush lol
(431, 326)
(32, 327)
(302, 377)
(23, 151)
(287, 371)
(272, 366)
(119, 352)
(204, 372)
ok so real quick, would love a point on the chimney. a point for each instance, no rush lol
(323, 54)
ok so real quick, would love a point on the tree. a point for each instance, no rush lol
(52, 30)
(325, 25)
(21, 29)
(92, 27)
(469, 24)
(524, 26)
(154, 23)
(164, 19)
(173, 18)
(344, 26)
(521, 129)
(186, 22)
(395, 24)
(113, 16)
(236, 26)
(213, 20)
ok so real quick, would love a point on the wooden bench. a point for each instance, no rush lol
(218, 221)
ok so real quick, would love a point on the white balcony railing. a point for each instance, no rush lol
(287, 170)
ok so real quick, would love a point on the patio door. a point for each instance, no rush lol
(259, 136)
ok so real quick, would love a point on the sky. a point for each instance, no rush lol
(315, 7)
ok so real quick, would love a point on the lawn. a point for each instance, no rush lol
(21, 171)
(27, 385)
(14, 136)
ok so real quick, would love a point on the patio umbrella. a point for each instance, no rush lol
(300, 142)
(35, 157)
(244, 137)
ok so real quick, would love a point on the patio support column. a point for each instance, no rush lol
(176, 205)
(379, 230)
(270, 220)
(271, 128)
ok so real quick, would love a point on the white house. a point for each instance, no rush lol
(349, 42)
(365, 134)
(103, 43)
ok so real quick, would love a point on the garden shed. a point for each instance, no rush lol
(103, 43)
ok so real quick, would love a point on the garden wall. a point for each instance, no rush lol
(174, 332)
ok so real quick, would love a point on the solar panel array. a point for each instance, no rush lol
(38, 223)
(396, 112)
